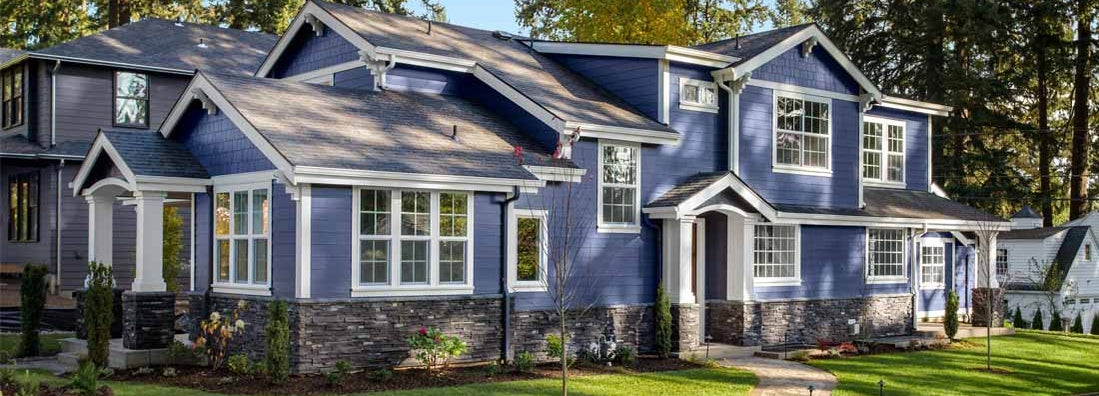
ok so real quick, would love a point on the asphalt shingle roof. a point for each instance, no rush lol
(1026, 212)
(1031, 233)
(752, 44)
(1066, 255)
(18, 145)
(684, 191)
(166, 44)
(7, 54)
(150, 154)
(546, 82)
(390, 131)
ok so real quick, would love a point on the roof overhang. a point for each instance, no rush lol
(129, 180)
(893, 102)
(17, 59)
(672, 53)
(97, 62)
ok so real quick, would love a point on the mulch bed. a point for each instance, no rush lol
(225, 382)
(12, 388)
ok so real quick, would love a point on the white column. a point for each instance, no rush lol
(100, 228)
(738, 255)
(678, 260)
(149, 274)
(304, 230)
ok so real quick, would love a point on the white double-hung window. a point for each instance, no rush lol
(775, 255)
(242, 228)
(619, 187)
(885, 255)
(932, 264)
(883, 150)
(697, 95)
(803, 133)
(412, 242)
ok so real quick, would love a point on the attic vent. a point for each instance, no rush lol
(179, 23)
(202, 43)
(502, 35)
(454, 134)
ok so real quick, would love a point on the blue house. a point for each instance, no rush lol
(382, 173)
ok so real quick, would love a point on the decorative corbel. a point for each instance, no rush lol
(807, 46)
(565, 141)
(867, 101)
(318, 26)
(207, 103)
(737, 85)
(378, 67)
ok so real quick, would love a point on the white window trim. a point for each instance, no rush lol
(602, 227)
(932, 242)
(890, 279)
(800, 169)
(698, 106)
(1007, 261)
(394, 287)
(229, 287)
(514, 284)
(884, 181)
(771, 282)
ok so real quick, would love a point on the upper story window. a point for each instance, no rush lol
(619, 186)
(697, 95)
(1001, 262)
(1087, 251)
(885, 255)
(242, 228)
(775, 254)
(412, 241)
(882, 150)
(528, 253)
(23, 207)
(12, 81)
(802, 132)
(933, 265)
(131, 99)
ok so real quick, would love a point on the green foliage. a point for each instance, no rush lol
(1036, 323)
(217, 332)
(239, 364)
(432, 348)
(1095, 324)
(28, 385)
(1078, 324)
(524, 362)
(492, 369)
(1055, 322)
(99, 312)
(277, 358)
(32, 297)
(173, 245)
(381, 375)
(86, 378)
(950, 319)
(1017, 319)
(625, 356)
(556, 349)
(663, 311)
(337, 377)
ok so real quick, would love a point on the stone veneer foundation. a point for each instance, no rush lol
(372, 333)
(148, 319)
(807, 321)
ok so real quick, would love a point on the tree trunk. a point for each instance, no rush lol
(934, 70)
(1045, 151)
(118, 13)
(1078, 185)
(564, 357)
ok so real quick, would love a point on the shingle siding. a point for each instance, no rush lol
(307, 52)
(819, 70)
(218, 144)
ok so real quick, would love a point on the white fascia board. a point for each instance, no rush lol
(550, 173)
(428, 60)
(635, 135)
(99, 146)
(802, 90)
(319, 175)
(172, 184)
(667, 52)
(97, 62)
(916, 106)
(869, 221)
(329, 21)
(690, 206)
(322, 72)
(509, 92)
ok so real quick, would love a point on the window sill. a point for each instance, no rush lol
(411, 290)
(251, 290)
(776, 282)
(886, 280)
(879, 183)
(618, 229)
(801, 170)
(932, 286)
(698, 107)
(527, 287)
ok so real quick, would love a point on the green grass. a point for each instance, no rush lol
(50, 343)
(1040, 363)
(122, 388)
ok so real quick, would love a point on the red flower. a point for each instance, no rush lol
(423, 331)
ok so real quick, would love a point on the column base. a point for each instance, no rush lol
(148, 319)
(684, 327)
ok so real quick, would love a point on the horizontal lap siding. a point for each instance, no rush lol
(283, 241)
(633, 80)
(819, 70)
(204, 211)
(488, 253)
(307, 52)
(330, 261)
(915, 144)
(217, 144)
(85, 100)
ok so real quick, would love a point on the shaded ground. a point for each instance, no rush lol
(50, 344)
(784, 377)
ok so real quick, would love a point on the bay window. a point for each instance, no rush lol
(242, 228)
(802, 132)
(619, 187)
(885, 255)
(775, 254)
(883, 150)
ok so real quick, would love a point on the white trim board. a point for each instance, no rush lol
(663, 52)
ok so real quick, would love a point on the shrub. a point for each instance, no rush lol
(950, 319)
(216, 332)
(847, 347)
(337, 377)
(431, 347)
(524, 362)
(278, 342)
(1095, 324)
(381, 375)
(239, 364)
(555, 348)
(1017, 319)
(625, 356)
(99, 312)
(169, 372)
(86, 379)
(1036, 323)
(1078, 324)
(492, 369)
(28, 386)
(173, 244)
(179, 353)
(1055, 322)
(32, 297)
(799, 356)
(662, 309)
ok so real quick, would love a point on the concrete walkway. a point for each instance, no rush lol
(46, 363)
(784, 377)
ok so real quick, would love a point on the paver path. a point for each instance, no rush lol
(784, 378)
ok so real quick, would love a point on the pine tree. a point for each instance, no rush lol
(1078, 324)
(1036, 323)
(1055, 322)
(1095, 324)
(1017, 319)
(663, 313)
(950, 320)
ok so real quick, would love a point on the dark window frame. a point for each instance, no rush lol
(115, 98)
(12, 97)
(26, 229)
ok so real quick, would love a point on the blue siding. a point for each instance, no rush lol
(488, 254)
(818, 70)
(308, 52)
(935, 299)
(204, 210)
(418, 79)
(915, 144)
(965, 278)
(633, 80)
(757, 148)
(331, 249)
(357, 78)
(283, 241)
(217, 144)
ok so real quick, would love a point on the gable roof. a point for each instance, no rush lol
(1026, 212)
(7, 54)
(150, 154)
(1091, 218)
(167, 46)
(1031, 233)
(748, 46)
(552, 87)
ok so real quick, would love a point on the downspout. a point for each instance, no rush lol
(53, 103)
(57, 226)
(915, 276)
(734, 123)
(504, 206)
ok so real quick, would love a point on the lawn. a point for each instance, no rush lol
(51, 343)
(1039, 364)
(695, 382)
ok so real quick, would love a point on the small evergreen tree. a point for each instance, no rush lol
(173, 244)
(99, 312)
(1036, 323)
(1095, 324)
(1055, 322)
(278, 342)
(663, 312)
(1017, 319)
(950, 320)
(1078, 324)
(32, 299)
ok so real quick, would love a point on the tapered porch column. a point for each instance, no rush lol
(100, 228)
(678, 268)
(149, 274)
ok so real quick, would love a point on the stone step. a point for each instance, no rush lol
(69, 359)
(720, 351)
(118, 356)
